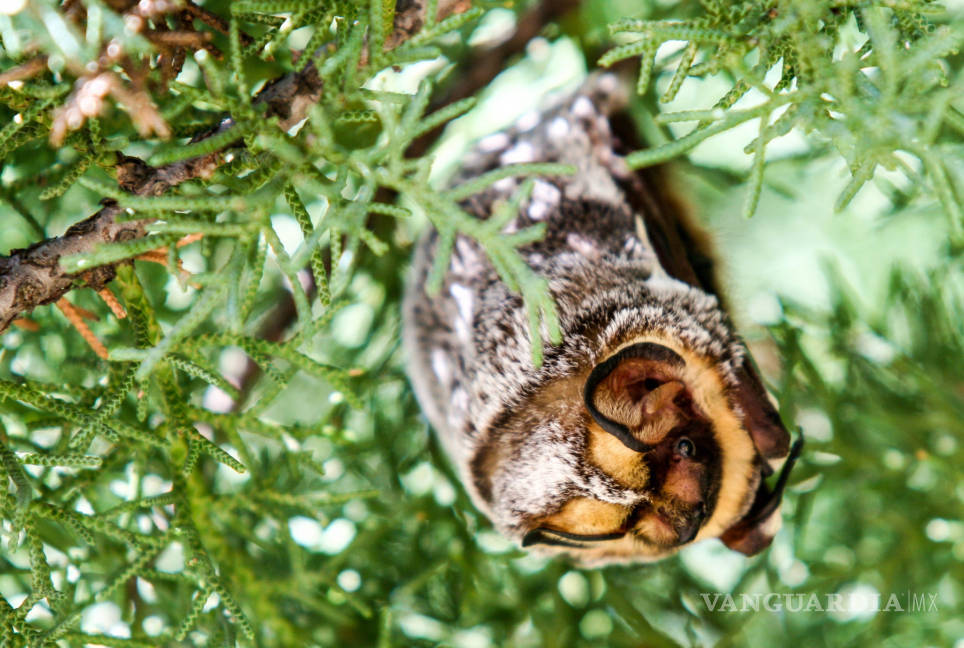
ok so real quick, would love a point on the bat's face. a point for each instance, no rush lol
(662, 424)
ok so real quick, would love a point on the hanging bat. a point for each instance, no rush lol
(647, 428)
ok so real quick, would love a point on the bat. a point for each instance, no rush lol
(648, 427)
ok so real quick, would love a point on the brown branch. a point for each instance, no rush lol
(193, 39)
(32, 276)
(210, 19)
(410, 17)
(31, 68)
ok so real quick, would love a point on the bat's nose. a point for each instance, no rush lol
(691, 524)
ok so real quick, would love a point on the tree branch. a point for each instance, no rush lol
(31, 277)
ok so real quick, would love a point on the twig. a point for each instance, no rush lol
(187, 240)
(178, 38)
(8, 197)
(112, 303)
(76, 317)
(26, 324)
(155, 256)
(273, 327)
(31, 68)
(212, 20)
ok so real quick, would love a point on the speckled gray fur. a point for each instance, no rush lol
(468, 347)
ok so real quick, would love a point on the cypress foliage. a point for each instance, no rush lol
(213, 480)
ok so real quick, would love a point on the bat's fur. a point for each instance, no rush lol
(521, 437)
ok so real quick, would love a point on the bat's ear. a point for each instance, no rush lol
(751, 536)
(556, 538)
(755, 531)
(760, 417)
(631, 394)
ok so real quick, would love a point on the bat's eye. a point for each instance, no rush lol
(685, 448)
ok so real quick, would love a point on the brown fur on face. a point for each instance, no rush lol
(623, 464)
(640, 398)
(684, 488)
(586, 516)
(679, 492)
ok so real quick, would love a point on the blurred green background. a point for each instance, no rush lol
(855, 316)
